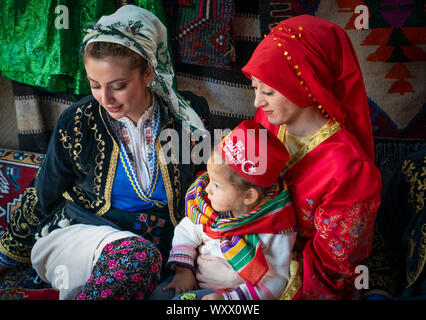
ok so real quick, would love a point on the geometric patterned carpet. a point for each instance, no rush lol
(17, 169)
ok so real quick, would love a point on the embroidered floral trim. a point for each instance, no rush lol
(151, 130)
(416, 179)
(417, 184)
(20, 227)
(326, 132)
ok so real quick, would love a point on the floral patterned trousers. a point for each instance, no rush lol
(127, 269)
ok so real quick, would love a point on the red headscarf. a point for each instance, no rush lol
(311, 61)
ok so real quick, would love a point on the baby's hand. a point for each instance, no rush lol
(183, 281)
(213, 296)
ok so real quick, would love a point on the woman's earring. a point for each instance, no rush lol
(153, 83)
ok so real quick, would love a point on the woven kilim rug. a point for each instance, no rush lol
(227, 90)
(201, 31)
(23, 283)
(37, 112)
(390, 52)
(17, 169)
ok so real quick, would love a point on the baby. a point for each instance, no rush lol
(238, 210)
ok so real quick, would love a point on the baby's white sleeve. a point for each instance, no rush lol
(186, 240)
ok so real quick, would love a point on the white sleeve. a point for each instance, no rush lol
(186, 240)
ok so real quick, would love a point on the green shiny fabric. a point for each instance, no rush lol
(33, 51)
(157, 8)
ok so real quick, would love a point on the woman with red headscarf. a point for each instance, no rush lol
(309, 91)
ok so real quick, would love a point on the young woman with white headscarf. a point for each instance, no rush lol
(98, 218)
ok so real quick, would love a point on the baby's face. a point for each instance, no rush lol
(223, 195)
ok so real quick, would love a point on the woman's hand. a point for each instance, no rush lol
(213, 296)
(182, 282)
(215, 273)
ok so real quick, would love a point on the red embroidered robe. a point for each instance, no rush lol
(336, 194)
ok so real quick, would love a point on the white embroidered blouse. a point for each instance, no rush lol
(139, 142)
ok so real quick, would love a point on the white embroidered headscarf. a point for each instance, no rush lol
(142, 32)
